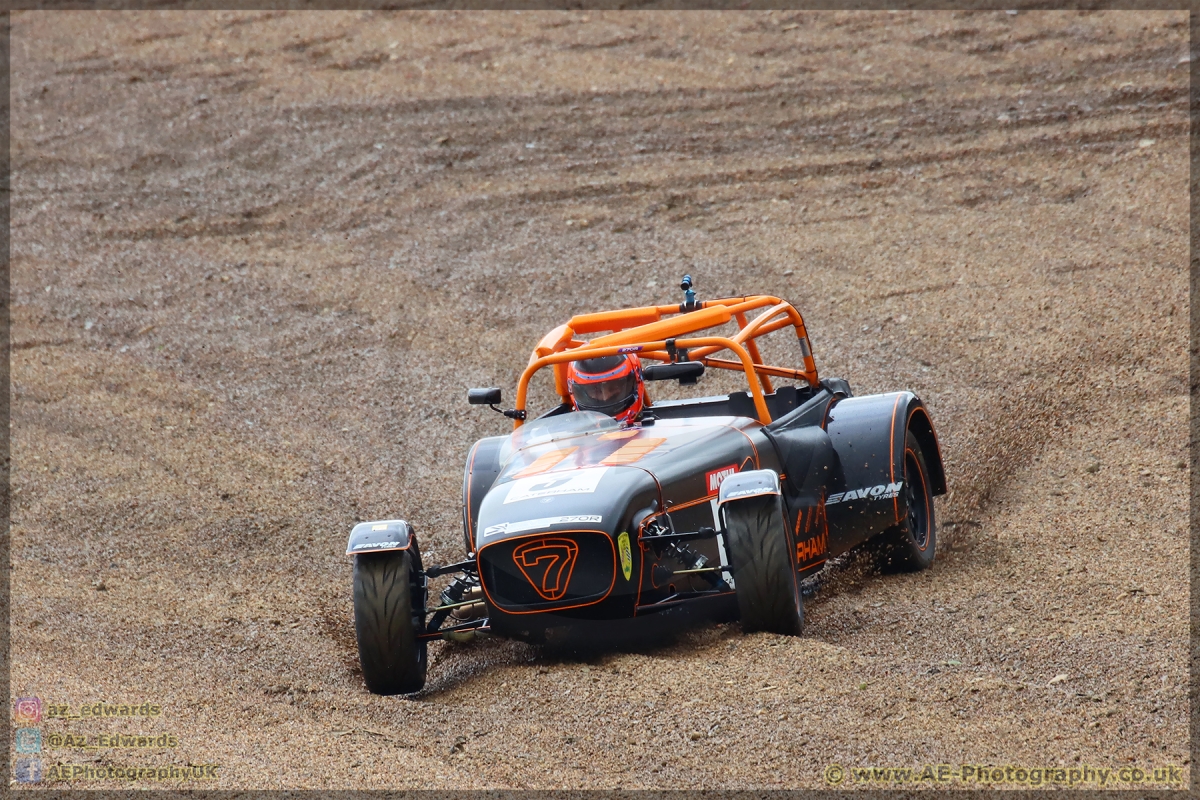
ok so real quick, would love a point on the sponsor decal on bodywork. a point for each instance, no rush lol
(626, 554)
(390, 534)
(884, 491)
(541, 522)
(547, 564)
(713, 479)
(754, 490)
(633, 450)
(625, 434)
(582, 481)
(545, 462)
(811, 549)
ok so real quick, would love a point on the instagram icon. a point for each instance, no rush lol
(27, 710)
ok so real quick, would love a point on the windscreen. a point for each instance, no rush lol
(560, 426)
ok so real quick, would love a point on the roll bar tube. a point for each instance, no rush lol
(646, 330)
(578, 354)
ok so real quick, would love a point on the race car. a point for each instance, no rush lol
(719, 504)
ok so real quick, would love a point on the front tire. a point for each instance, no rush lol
(910, 546)
(386, 621)
(768, 592)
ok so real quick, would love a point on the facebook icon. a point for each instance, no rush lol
(28, 770)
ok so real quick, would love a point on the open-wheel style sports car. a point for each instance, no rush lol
(722, 504)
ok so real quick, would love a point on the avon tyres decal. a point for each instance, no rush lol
(884, 491)
(582, 481)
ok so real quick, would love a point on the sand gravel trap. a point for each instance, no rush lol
(257, 259)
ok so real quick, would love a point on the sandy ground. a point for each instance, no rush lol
(257, 259)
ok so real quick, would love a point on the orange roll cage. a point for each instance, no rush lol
(646, 332)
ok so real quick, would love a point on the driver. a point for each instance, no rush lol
(611, 385)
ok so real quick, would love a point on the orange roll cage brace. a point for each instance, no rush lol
(645, 331)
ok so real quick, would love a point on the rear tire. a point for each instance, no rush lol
(386, 621)
(768, 592)
(910, 546)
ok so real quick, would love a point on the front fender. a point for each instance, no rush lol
(380, 536)
(753, 483)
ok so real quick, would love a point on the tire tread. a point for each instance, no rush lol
(392, 660)
(765, 582)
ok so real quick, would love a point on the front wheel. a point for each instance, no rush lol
(386, 621)
(768, 592)
(910, 545)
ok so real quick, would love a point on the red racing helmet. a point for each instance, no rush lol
(611, 385)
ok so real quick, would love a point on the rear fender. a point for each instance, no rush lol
(864, 496)
(920, 423)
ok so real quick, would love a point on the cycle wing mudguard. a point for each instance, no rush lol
(863, 496)
(380, 536)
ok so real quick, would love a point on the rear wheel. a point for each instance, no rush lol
(768, 593)
(910, 546)
(386, 621)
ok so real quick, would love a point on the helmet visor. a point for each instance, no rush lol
(614, 394)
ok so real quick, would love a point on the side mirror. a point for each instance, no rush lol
(483, 397)
(686, 372)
